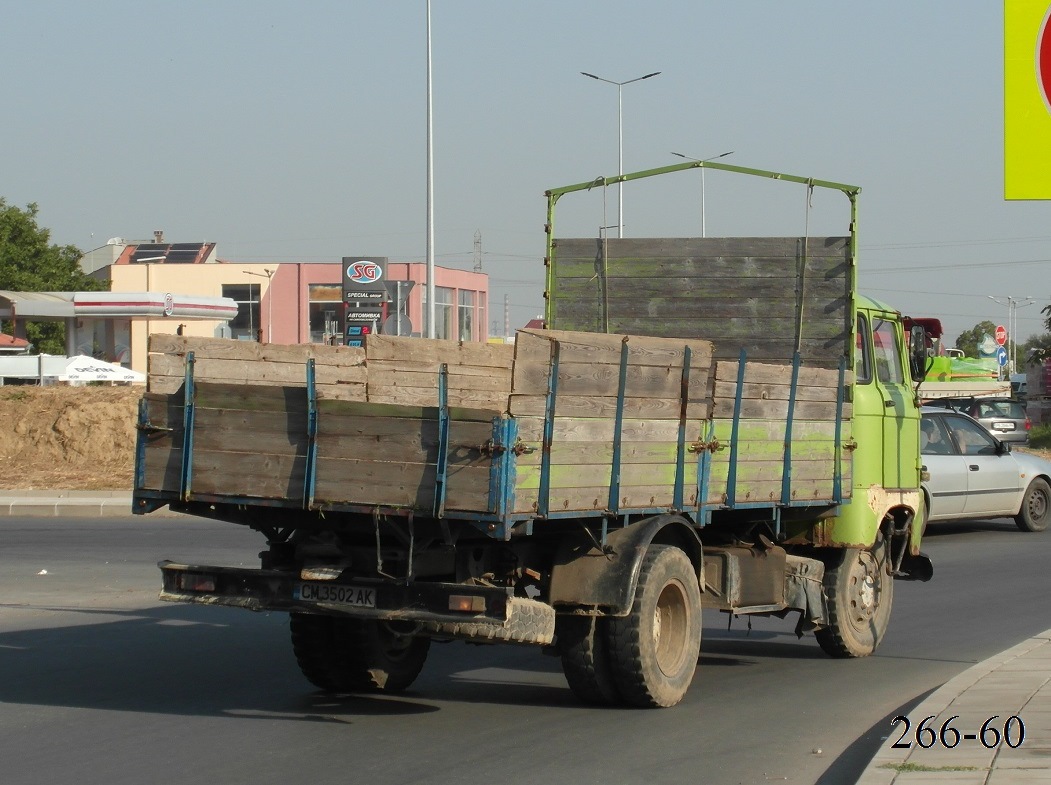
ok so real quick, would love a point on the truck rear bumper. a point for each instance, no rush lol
(451, 610)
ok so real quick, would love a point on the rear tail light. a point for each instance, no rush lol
(189, 582)
(1028, 424)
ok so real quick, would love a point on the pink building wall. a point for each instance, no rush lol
(290, 292)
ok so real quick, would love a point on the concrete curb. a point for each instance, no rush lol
(78, 504)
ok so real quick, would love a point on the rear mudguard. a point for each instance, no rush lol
(603, 579)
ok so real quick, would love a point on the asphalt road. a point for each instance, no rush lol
(104, 684)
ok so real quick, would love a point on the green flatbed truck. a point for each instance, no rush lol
(707, 423)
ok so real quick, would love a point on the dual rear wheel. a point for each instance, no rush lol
(648, 657)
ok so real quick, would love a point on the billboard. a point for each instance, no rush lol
(1027, 99)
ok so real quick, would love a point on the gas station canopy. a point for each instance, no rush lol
(47, 306)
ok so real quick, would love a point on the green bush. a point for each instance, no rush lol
(1040, 437)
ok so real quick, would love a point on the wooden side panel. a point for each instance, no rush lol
(762, 294)
(339, 370)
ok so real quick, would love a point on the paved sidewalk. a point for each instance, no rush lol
(1014, 683)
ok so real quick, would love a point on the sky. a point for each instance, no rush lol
(297, 131)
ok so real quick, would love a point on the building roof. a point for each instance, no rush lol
(11, 345)
(167, 253)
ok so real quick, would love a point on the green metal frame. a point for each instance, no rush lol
(554, 194)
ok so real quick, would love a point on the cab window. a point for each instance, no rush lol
(862, 355)
(885, 352)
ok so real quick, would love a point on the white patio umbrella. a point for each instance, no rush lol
(87, 369)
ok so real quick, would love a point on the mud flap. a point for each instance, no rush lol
(803, 578)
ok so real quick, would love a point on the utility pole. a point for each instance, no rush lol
(478, 251)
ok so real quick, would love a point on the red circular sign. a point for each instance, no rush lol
(1000, 335)
(1043, 59)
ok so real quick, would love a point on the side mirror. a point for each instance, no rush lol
(918, 353)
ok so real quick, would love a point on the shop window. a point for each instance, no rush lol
(246, 325)
(326, 306)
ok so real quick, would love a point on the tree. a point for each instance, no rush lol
(969, 340)
(1036, 347)
(30, 263)
(1041, 350)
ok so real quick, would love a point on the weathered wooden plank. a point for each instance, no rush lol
(770, 492)
(575, 378)
(266, 476)
(584, 406)
(250, 431)
(394, 439)
(254, 371)
(227, 349)
(389, 347)
(423, 396)
(778, 409)
(597, 347)
(597, 498)
(342, 392)
(724, 391)
(758, 431)
(587, 475)
(431, 367)
(766, 373)
(163, 465)
(780, 251)
(374, 409)
(350, 481)
(252, 397)
(600, 429)
(497, 381)
(727, 297)
(753, 470)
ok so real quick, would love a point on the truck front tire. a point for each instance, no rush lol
(654, 649)
(351, 655)
(859, 591)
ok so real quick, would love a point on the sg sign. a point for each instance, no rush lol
(363, 279)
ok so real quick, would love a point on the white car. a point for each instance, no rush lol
(968, 473)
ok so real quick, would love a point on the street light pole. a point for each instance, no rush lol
(702, 160)
(620, 140)
(429, 313)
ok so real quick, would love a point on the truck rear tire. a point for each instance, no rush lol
(859, 592)
(654, 649)
(585, 659)
(353, 655)
(1036, 507)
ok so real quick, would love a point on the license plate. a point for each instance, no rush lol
(356, 596)
(1003, 426)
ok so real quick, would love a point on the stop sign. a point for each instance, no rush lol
(1000, 335)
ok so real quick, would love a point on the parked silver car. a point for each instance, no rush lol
(1004, 418)
(968, 473)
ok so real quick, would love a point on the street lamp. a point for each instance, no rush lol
(1012, 321)
(620, 143)
(268, 274)
(702, 160)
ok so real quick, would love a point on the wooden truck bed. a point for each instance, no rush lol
(562, 424)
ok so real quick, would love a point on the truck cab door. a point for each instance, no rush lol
(885, 400)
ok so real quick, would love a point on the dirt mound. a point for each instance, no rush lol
(79, 438)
